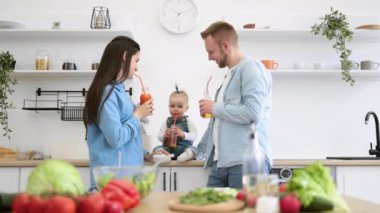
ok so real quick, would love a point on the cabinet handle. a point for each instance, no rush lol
(164, 181)
(175, 181)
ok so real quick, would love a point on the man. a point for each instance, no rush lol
(243, 98)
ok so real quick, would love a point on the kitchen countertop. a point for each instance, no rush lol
(159, 202)
(197, 163)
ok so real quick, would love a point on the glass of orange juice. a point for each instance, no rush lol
(145, 95)
(207, 96)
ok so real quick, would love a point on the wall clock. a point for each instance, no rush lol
(179, 16)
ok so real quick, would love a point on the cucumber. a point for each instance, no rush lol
(6, 200)
(319, 204)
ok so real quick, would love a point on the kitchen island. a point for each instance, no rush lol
(159, 202)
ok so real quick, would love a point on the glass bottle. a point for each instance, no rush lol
(253, 164)
(42, 59)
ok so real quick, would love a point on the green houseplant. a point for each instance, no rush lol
(334, 26)
(7, 63)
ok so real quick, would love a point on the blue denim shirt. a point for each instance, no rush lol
(247, 98)
(116, 138)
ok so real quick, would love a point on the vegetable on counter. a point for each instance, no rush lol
(315, 188)
(204, 196)
(55, 177)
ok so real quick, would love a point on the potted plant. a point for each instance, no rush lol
(7, 64)
(334, 26)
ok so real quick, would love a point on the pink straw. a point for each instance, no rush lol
(208, 83)
(141, 82)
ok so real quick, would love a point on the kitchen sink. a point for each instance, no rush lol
(353, 158)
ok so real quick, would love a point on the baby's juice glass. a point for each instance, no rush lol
(145, 95)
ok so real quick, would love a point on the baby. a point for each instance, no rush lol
(178, 132)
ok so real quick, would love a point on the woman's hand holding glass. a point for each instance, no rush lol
(144, 110)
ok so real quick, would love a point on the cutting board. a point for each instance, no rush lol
(229, 206)
(7, 154)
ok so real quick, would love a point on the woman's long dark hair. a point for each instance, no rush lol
(110, 65)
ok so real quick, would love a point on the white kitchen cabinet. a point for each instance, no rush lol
(85, 176)
(163, 180)
(24, 175)
(359, 181)
(9, 179)
(181, 179)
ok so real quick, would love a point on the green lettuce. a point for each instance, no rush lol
(315, 181)
(55, 177)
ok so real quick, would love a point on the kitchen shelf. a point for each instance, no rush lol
(62, 33)
(356, 74)
(57, 73)
(306, 35)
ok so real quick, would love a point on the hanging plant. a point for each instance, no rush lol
(7, 63)
(334, 26)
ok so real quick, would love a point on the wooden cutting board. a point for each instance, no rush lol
(233, 205)
(7, 154)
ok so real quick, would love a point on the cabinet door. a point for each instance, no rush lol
(85, 176)
(184, 179)
(24, 174)
(360, 182)
(9, 180)
(163, 180)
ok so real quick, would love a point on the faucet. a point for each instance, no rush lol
(375, 151)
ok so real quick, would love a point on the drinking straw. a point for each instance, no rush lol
(207, 85)
(141, 82)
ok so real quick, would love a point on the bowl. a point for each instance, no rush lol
(143, 177)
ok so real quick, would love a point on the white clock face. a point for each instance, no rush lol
(179, 16)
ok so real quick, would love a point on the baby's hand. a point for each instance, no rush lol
(178, 132)
(167, 134)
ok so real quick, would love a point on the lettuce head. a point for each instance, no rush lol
(315, 181)
(55, 177)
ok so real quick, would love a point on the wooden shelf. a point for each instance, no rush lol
(277, 34)
(62, 33)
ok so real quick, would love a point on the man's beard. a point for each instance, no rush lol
(223, 61)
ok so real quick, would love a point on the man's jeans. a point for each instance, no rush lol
(228, 176)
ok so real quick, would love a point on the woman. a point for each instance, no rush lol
(111, 119)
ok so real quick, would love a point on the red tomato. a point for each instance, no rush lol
(126, 185)
(129, 189)
(112, 207)
(20, 203)
(60, 204)
(115, 193)
(92, 203)
(241, 195)
(36, 204)
(282, 187)
(290, 204)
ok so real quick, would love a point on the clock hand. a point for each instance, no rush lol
(174, 11)
(186, 10)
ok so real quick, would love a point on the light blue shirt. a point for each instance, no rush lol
(116, 138)
(246, 99)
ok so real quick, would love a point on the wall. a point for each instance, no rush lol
(312, 117)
